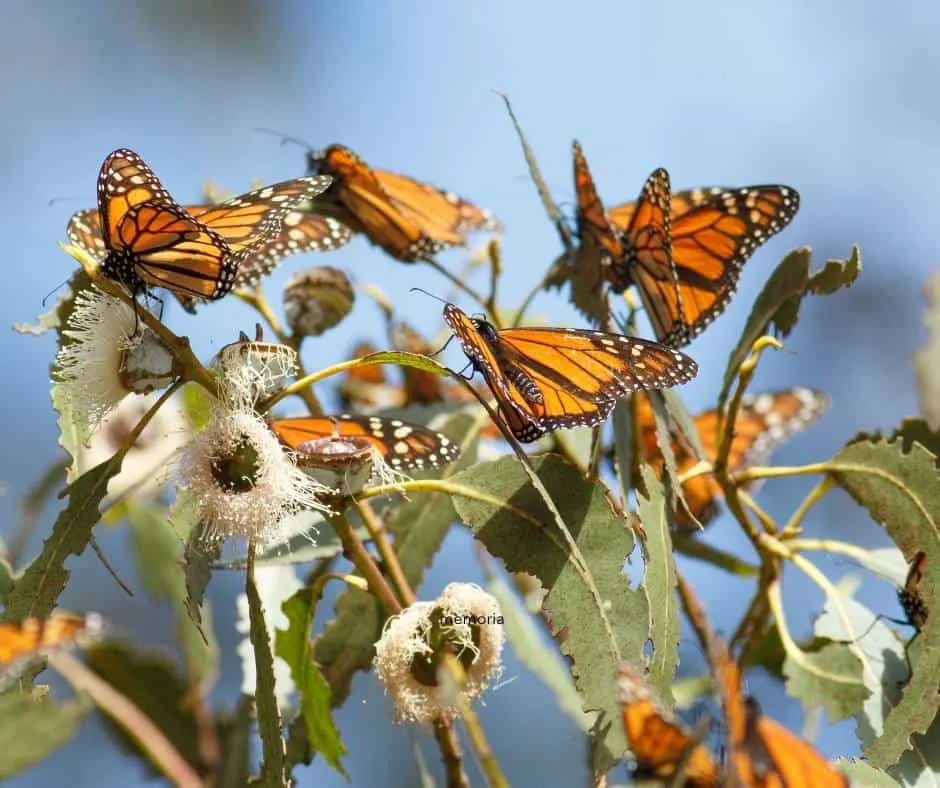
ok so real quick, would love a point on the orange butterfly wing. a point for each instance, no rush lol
(359, 200)
(445, 216)
(658, 743)
(151, 240)
(251, 233)
(548, 378)
(714, 232)
(32, 634)
(761, 752)
(402, 445)
(594, 227)
(764, 421)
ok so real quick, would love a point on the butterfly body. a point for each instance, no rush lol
(910, 596)
(143, 238)
(408, 219)
(550, 378)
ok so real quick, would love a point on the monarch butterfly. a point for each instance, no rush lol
(402, 445)
(408, 219)
(684, 251)
(18, 641)
(760, 752)
(713, 233)
(606, 253)
(660, 743)
(764, 421)
(549, 378)
(910, 596)
(302, 232)
(150, 240)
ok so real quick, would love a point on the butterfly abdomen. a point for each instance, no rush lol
(524, 384)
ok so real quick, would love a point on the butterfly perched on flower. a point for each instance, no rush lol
(404, 446)
(683, 251)
(149, 240)
(32, 635)
(763, 422)
(550, 378)
(408, 219)
(659, 742)
(759, 752)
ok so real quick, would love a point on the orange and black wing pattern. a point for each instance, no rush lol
(764, 421)
(659, 743)
(550, 378)
(910, 596)
(23, 640)
(402, 445)
(761, 753)
(441, 213)
(301, 232)
(713, 233)
(150, 240)
(409, 220)
(600, 248)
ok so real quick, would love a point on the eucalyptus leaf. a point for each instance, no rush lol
(37, 590)
(293, 646)
(897, 480)
(604, 620)
(927, 358)
(31, 730)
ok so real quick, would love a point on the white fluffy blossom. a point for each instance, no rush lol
(251, 371)
(464, 621)
(242, 480)
(106, 354)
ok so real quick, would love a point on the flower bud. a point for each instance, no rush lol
(317, 299)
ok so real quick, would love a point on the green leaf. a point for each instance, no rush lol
(786, 285)
(624, 445)
(670, 479)
(778, 305)
(419, 526)
(831, 677)
(863, 773)
(605, 620)
(898, 482)
(6, 581)
(273, 767)
(927, 359)
(530, 649)
(197, 405)
(38, 589)
(836, 274)
(660, 584)
(536, 174)
(31, 730)
(293, 646)
(159, 553)
(152, 684)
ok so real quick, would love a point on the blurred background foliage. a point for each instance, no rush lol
(833, 100)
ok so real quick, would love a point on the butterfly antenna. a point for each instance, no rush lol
(54, 200)
(285, 138)
(46, 297)
(436, 298)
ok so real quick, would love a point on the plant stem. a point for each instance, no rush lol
(138, 725)
(822, 488)
(488, 763)
(390, 560)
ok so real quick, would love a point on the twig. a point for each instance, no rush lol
(126, 714)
